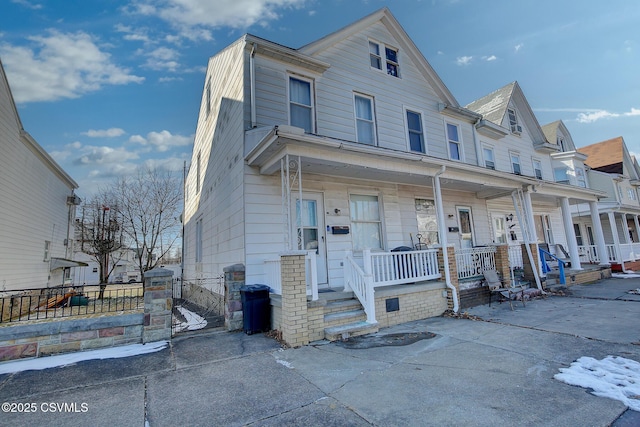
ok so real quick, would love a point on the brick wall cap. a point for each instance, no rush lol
(234, 268)
(293, 253)
(158, 272)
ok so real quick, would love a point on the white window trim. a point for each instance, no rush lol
(460, 142)
(373, 115)
(515, 127)
(533, 164)
(493, 153)
(406, 127)
(312, 89)
(382, 54)
(513, 154)
(367, 192)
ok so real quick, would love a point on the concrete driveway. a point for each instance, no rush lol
(444, 371)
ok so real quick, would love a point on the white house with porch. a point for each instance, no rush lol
(614, 171)
(352, 151)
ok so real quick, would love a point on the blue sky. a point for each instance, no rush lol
(108, 85)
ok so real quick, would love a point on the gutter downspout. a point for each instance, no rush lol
(252, 78)
(443, 237)
(476, 143)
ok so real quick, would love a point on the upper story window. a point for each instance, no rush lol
(515, 163)
(300, 104)
(513, 122)
(561, 143)
(537, 168)
(365, 120)
(47, 250)
(453, 136)
(560, 175)
(582, 182)
(620, 195)
(489, 161)
(416, 134)
(390, 58)
(632, 193)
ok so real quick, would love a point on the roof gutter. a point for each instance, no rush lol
(443, 237)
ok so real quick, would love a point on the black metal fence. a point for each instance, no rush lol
(32, 304)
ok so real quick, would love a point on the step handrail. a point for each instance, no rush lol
(546, 268)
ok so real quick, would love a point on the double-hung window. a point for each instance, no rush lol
(427, 222)
(560, 175)
(582, 182)
(416, 134)
(390, 58)
(489, 161)
(515, 163)
(365, 120)
(366, 222)
(513, 122)
(453, 136)
(537, 168)
(47, 250)
(300, 104)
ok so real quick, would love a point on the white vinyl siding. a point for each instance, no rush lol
(365, 119)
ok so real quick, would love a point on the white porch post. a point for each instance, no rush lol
(637, 225)
(625, 228)
(597, 228)
(616, 238)
(530, 219)
(574, 255)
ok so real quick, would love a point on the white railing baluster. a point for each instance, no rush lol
(474, 261)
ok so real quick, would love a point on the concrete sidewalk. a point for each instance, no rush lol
(496, 372)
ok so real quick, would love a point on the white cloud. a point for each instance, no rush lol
(138, 34)
(29, 4)
(194, 18)
(518, 47)
(169, 79)
(100, 155)
(490, 58)
(162, 58)
(464, 60)
(163, 140)
(62, 65)
(596, 115)
(104, 133)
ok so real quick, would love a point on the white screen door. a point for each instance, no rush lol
(309, 230)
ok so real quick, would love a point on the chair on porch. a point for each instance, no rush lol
(496, 286)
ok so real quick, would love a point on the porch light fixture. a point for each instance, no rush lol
(337, 211)
(510, 217)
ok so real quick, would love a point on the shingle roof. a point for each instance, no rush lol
(493, 107)
(606, 156)
(550, 131)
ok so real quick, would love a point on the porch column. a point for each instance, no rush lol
(597, 228)
(637, 225)
(628, 239)
(616, 239)
(529, 213)
(295, 321)
(574, 255)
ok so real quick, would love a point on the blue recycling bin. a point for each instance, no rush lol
(256, 308)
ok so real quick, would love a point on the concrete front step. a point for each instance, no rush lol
(342, 317)
(353, 329)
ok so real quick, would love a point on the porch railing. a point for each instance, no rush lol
(33, 304)
(545, 267)
(588, 254)
(361, 283)
(473, 262)
(515, 256)
(394, 268)
(273, 274)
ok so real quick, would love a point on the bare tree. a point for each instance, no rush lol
(100, 235)
(149, 204)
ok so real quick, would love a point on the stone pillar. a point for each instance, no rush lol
(158, 303)
(502, 263)
(233, 281)
(295, 321)
(526, 263)
(453, 273)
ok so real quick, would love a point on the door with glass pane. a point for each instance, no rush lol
(309, 230)
(499, 229)
(465, 227)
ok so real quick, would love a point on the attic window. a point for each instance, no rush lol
(513, 122)
(390, 58)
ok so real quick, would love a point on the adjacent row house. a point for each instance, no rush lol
(352, 152)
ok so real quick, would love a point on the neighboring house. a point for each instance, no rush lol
(352, 146)
(614, 171)
(37, 212)
(126, 269)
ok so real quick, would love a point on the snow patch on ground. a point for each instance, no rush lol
(193, 321)
(285, 363)
(69, 359)
(613, 377)
(625, 275)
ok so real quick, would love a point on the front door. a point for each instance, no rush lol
(309, 230)
(465, 227)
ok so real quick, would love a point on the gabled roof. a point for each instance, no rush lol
(27, 139)
(406, 45)
(550, 131)
(606, 156)
(493, 108)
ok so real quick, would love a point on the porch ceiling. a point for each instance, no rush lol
(332, 157)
